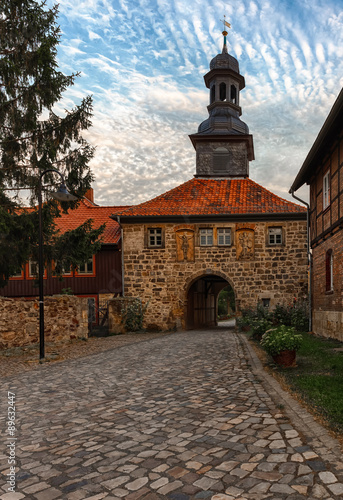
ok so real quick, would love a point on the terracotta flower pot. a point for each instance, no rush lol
(285, 358)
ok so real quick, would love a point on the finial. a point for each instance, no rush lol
(225, 33)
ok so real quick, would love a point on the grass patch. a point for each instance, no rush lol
(318, 378)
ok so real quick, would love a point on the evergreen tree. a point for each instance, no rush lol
(33, 138)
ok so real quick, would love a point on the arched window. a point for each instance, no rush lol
(329, 270)
(213, 94)
(221, 160)
(222, 91)
(233, 94)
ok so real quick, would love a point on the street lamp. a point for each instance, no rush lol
(61, 195)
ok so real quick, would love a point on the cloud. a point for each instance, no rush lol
(144, 62)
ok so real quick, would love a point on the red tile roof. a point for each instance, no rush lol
(100, 215)
(213, 197)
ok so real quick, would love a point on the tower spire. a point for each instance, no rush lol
(225, 33)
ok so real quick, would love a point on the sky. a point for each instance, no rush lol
(143, 61)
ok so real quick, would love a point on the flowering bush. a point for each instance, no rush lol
(282, 338)
(294, 314)
(259, 327)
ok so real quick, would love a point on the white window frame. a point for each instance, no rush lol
(275, 236)
(155, 237)
(33, 264)
(326, 190)
(66, 272)
(206, 237)
(88, 267)
(224, 236)
(18, 275)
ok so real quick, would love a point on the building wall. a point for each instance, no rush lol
(324, 219)
(326, 227)
(328, 305)
(105, 279)
(162, 277)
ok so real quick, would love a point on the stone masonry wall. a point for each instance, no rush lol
(160, 279)
(65, 318)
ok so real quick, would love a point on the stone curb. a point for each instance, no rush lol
(317, 436)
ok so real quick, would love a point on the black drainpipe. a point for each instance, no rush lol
(122, 258)
(309, 257)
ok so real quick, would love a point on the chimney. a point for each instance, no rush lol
(90, 195)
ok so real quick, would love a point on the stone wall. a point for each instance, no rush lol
(328, 324)
(236, 158)
(117, 308)
(65, 318)
(257, 271)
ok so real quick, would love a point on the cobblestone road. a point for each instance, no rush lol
(178, 417)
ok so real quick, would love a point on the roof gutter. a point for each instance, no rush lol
(309, 256)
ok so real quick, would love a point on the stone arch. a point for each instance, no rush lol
(201, 293)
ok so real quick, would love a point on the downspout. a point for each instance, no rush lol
(309, 257)
(122, 257)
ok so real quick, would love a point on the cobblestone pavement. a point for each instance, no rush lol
(16, 360)
(178, 417)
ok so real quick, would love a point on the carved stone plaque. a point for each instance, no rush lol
(184, 245)
(245, 244)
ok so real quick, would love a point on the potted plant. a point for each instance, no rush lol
(282, 343)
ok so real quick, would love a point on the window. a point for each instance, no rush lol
(18, 275)
(64, 269)
(221, 160)
(266, 303)
(224, 236)
(233, 94)
(222, 91)
(213, 94)
(326, 190)
(329, 270)
(275, 236)
(206, 237)
(33, 269)
(86, 268)
(155, 237)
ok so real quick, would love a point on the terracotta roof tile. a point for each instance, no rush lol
(100, 215)
(213, 197)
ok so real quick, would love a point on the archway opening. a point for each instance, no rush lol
(202, 300)
(226, 303)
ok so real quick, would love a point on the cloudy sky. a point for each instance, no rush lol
(144, 60)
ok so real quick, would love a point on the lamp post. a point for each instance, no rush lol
(61, 195)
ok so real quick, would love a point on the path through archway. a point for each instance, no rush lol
(202, 299)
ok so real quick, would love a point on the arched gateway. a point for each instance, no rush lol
(182, 247)
(202, 295)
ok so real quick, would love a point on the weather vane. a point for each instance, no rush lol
(225, 23)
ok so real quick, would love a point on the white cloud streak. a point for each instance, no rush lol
(144, 62)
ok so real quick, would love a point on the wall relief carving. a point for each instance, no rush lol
(245, 244)
(184, 245)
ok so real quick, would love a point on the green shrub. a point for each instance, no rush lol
(133, 315)
(259, 327)
(282, 338)
(295, 314)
